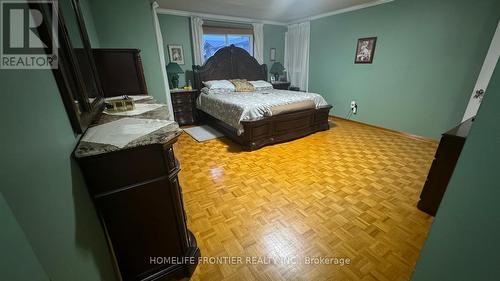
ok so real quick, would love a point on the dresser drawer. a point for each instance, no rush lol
(108, 172)
(182, 99)
(183, 108)
(184, 118)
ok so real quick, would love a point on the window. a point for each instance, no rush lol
(213, 42)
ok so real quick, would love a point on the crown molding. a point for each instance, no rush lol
(342, 11)
(250, 20)
(216, 17)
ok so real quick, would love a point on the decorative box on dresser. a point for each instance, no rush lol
(282, 85)
(184, 105)
(445, 159)
(138, 198)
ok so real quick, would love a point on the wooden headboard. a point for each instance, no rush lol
(229, 63)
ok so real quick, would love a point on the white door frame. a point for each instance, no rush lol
(161, 54)
(484, 77)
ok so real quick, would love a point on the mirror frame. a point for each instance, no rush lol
(88, 48)
(68, 76)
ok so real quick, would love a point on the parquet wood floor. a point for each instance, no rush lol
(347, 192)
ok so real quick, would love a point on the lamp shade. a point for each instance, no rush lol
(277, 68)
(174, 68)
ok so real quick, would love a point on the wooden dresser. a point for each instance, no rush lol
(446, 158)
(184, 105)
(138, 197)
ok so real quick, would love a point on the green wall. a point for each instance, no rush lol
(426, 62)
(463, 243)
(274, 37)
(42, 184)
(129, 24)
(89, 23)
(16, 250)
(72, 24)
(176, 30)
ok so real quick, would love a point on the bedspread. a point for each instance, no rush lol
(234, 107)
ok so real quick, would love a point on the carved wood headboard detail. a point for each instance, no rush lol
(229, 63)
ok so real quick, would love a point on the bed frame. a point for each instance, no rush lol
(235, 63)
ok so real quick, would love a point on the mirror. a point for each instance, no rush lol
(76, 74)
(77, 33)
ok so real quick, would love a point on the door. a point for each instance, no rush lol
(484, 76)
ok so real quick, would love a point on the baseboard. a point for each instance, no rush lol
(403, 134)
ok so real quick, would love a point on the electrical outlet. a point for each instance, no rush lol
(354, 107)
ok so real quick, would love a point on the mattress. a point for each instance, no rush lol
(234, 107)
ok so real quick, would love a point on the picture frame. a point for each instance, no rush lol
(365, 50)
(176, 54)
(272, 54)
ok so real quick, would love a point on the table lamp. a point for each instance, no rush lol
(174, 69)
(277, 70)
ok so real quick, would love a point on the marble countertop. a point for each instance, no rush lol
(160, 136)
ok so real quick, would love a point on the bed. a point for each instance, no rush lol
(255, 119)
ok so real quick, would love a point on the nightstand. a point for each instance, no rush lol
(282, 85)
(184, 105)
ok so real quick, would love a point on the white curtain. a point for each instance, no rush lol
(297, 54)
(197, 35)
(161, 53)
(258, 42)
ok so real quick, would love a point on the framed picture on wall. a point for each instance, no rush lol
(365, 50)
(176, 54)
(272, 54)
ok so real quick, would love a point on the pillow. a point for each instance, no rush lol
(208, 91)
(242, 85)
(224, 85)
(205, 90)
(261, 85)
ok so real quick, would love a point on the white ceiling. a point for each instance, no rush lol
(283, 11)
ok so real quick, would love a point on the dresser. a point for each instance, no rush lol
(282, 85)
(445, 160)
(137, 195)
(184, 105)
